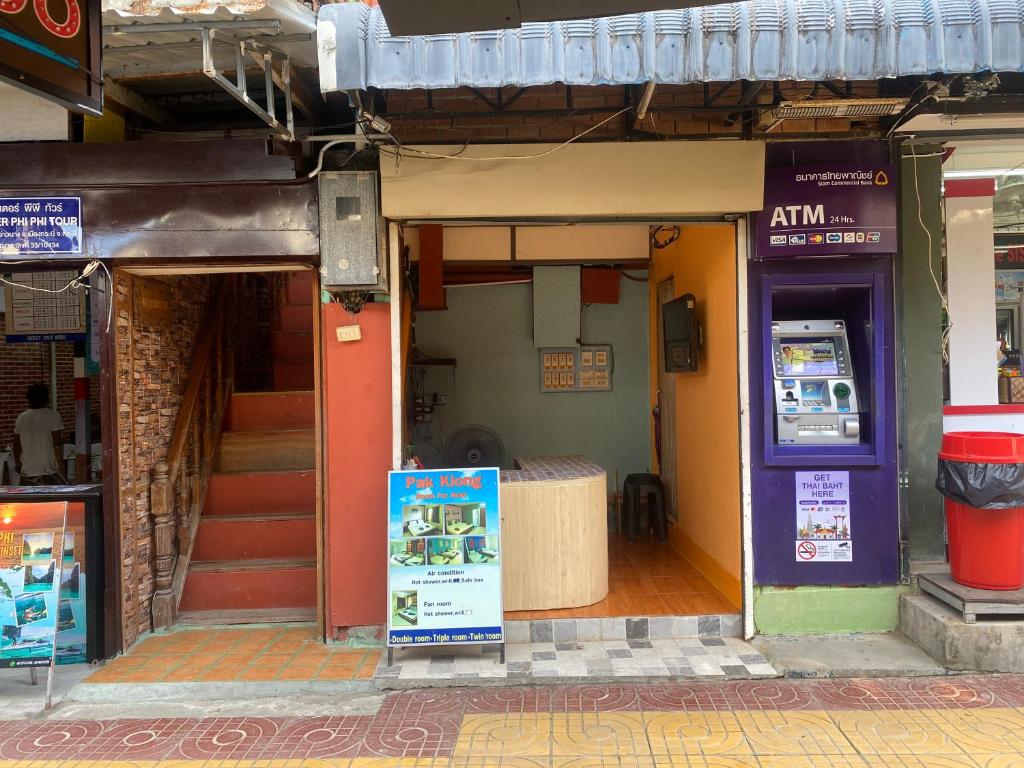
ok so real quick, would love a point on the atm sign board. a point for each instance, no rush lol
(837, 210)
(52, 48)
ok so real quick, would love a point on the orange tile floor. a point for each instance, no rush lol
(645, 579)
(237, 654)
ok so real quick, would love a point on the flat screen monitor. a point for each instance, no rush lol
(809, 357)
(680, 334)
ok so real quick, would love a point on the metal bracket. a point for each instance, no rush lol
(266, 58)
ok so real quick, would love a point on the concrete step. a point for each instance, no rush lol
(262, 537)
(984, 646)
(294, 317)
(293, 376)
(252, 493)
(292, 347)
(883, 654)
(250, 585)
(255, 411)
(265, 450)
(247, 616)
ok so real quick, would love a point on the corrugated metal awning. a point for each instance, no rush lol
(167, 41)
(753, 40)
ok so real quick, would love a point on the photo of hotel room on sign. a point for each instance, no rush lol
(482, 549)
(421, 520)
(403, 609)
(446, 551)
(408, 552)
(464, 519)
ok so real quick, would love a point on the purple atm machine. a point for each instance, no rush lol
(823, 403)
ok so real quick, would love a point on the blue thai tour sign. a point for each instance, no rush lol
(444, 557)
(824, 210)
(38, 226)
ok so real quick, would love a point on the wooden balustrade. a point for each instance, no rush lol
(179, 482)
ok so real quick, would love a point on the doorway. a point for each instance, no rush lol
(476, 375)
(220, 400)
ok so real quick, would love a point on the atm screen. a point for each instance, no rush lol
(812, 390)
(809, 358)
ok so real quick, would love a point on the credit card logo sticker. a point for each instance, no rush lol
(835, 237)
(874, 237)
(778, 240)
(816, 238)
(849, 237)
(798, 239)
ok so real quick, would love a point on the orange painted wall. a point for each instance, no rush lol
(703, 262)
(357, 427)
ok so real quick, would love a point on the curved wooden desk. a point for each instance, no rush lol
(554, 533)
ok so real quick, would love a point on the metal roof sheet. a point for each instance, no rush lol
(156, 51)
(752, 40)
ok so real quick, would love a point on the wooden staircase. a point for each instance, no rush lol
(254, 554)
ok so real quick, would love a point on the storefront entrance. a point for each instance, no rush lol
(563, 368)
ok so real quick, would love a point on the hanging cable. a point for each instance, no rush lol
(399, 150)
(79, 282)
(931, 270)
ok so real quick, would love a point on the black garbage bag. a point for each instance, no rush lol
(982, 486)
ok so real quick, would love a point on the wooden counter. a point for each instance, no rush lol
(554, 533)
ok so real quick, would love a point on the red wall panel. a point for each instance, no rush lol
(357, 429)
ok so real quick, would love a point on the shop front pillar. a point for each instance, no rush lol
(970, 276)
(921, 345)
(357, 426)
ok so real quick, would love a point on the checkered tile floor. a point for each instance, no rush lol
(662, 658)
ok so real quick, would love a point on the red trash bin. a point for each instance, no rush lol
(986, 545)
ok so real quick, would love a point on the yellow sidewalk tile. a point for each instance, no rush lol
(811, 761)
(591, 734)
(696, 733)
(987, 730)
(793, 733)
(897, 732)
(527, 734)
(926, 761)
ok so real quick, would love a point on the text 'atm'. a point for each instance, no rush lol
(815, 392)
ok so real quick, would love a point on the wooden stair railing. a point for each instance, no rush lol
(178, 487)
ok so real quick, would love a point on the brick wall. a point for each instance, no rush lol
(555, 113)
(154, 357)
(25, 364)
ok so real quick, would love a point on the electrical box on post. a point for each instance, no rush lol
(352, 249)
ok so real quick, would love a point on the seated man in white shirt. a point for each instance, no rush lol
(37, 440)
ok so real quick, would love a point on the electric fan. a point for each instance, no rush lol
(474, 445)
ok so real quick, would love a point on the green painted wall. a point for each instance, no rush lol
(921, 361)
(826, 610)
(489, 331)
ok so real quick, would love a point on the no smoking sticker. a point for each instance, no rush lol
(806, 550)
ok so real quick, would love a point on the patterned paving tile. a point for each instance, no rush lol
(768, 724)
(665, 658)
(241, 654)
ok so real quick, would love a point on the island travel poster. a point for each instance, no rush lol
(32, 549)
(444, 557)
(71, 615)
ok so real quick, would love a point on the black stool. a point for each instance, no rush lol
(640, 486)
